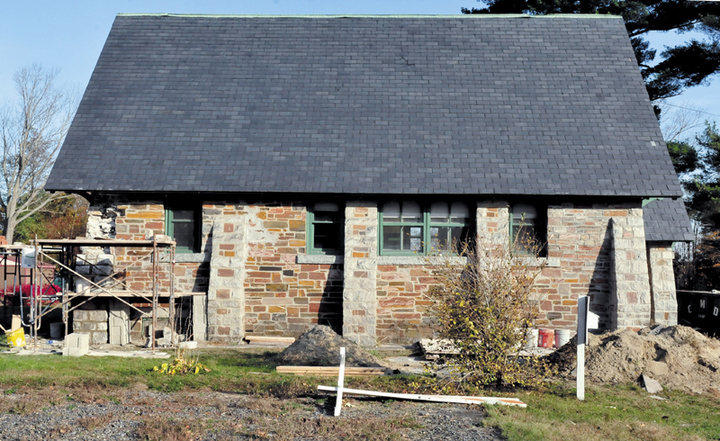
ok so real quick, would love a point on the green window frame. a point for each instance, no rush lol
(410, 228)
(183, 225)
(325, 229)
(528, 228)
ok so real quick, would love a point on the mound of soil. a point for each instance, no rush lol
(678, 357)
(320, 346)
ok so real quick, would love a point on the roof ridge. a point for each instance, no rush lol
(439, 16)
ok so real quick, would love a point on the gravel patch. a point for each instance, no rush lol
(207, 415)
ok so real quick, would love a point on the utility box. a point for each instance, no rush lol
(699, 309)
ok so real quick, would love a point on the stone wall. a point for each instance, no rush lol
(662, 283)
(402, 300)
(282, 295)
(260, 280)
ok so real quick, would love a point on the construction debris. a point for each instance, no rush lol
(320, 346)
(436, 348)
(652, 386)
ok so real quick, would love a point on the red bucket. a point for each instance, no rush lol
(546, 338)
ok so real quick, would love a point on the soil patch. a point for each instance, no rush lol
(679, 357)
(320, 346)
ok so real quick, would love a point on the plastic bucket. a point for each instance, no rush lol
(531, 338)
(546, 338)
(16, 338)
(562, 336)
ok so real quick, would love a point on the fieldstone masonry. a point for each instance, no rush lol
(630, 282)
(360, 271)
(662, 283)
(259, 278)
(226, 294)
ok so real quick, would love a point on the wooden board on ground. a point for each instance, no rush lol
(434, 348)
(268, 340)
(432, 398)
(331, 371)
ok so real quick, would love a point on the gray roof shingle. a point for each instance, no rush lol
(367, 105)
(666, 220)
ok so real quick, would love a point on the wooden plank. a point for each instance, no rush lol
(331, 370)
(340, 383)
(430, 398)
(269, 339)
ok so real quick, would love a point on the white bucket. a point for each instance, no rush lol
(531, 338)
(562, 336)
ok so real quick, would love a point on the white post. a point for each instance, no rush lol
(582, 332)
(341, 382)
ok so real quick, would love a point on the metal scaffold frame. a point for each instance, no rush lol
(162, 251)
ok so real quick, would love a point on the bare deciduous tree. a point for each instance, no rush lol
(677, 121)
(32, 132)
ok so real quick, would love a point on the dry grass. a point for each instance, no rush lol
(95, 422)
(152, 429)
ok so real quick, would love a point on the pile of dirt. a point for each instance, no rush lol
(679, 357)
(320, 346)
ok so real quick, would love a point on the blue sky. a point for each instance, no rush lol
(69, 35)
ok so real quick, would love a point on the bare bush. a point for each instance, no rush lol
(483, 304)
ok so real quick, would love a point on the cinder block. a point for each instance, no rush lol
(76, 345)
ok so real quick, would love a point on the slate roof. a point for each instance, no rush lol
(367, 105)
(666, 220)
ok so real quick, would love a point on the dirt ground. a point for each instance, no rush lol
(678, 357)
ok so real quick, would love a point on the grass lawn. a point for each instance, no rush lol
(608, 413)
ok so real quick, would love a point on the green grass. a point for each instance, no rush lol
(609, 413)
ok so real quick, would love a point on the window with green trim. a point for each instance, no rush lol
(182, 224)
(528, 227)
(325, 229)
(407, 227)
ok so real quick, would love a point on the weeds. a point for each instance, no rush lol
(181, 365)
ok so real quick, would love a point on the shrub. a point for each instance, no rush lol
(484, 305)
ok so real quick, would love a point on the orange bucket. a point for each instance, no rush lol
(546, 338)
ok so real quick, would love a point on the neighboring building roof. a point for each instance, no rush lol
(666, 220)
(367, 105)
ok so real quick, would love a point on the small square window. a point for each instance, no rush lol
(528, 228)
(325, 229)
(182, 224)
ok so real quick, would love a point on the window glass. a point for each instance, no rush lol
(325, 228)
(182, 225)
(439, 212)
(459, 212)
(411, 228)
(528, 229)
(411, 212)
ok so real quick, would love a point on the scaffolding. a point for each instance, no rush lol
(64, 256)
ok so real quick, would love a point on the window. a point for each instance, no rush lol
(325, 229)
(528, 227)
(182, 224)
(410, 228)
